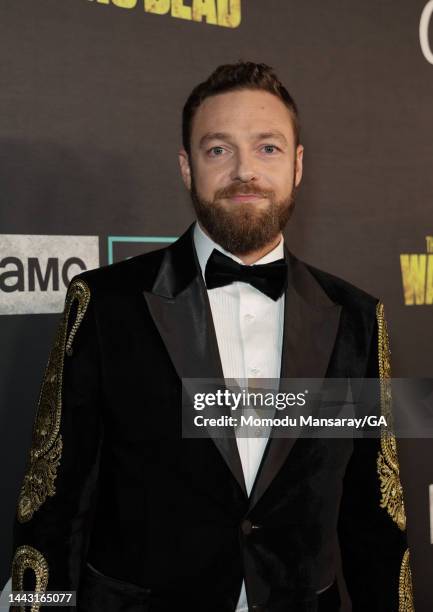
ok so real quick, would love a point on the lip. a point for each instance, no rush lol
(245, 197)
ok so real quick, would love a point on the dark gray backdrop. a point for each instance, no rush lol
(90, 103)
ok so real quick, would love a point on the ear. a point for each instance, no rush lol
(299, 164)
(185, 168)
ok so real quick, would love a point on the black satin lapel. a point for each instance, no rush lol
(309, 337)
(186, 328)
(308, 340)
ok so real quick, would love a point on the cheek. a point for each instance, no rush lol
(277, 179)
(282, 178)
(209, 179)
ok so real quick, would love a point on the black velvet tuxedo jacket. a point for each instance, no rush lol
(117, 506)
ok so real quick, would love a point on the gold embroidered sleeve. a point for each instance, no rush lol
(387, 461)
(405, 594)
(46, 448)
(27, 557)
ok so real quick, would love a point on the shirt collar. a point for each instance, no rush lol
(204, 245)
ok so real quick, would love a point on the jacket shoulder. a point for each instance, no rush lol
(130, 275)
(343, 292)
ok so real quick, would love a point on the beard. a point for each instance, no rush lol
(242, 227)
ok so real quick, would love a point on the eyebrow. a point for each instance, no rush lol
(225, 136)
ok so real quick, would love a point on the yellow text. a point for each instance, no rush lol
(417, 277)
(226, 13)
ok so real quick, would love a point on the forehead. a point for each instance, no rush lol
(240, 113)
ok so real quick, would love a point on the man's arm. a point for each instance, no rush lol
(372, 521)
(52, 522)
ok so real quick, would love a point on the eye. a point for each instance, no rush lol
(216, 151)
(270, 148)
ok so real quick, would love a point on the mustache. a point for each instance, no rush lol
(235, 189)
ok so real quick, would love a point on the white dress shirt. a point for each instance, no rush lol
(249, 330)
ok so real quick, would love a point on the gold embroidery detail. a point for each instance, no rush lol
(405, 593)
(27, 557)
(81, 293)
(46, 449)
(387, 460)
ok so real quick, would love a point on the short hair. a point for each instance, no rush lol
(235, 77)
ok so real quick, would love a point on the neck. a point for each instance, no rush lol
(253, 256)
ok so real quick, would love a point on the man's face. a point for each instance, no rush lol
(244, 169)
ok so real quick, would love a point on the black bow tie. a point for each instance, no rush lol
(268, 278)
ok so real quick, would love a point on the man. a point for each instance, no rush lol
(115, 503)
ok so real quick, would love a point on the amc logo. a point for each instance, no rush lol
(35, 270)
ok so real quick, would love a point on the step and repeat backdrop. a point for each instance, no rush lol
(90, 107)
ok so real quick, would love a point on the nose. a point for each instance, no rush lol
(243, 168)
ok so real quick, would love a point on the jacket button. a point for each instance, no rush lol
(258, 608)
(247, 527)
